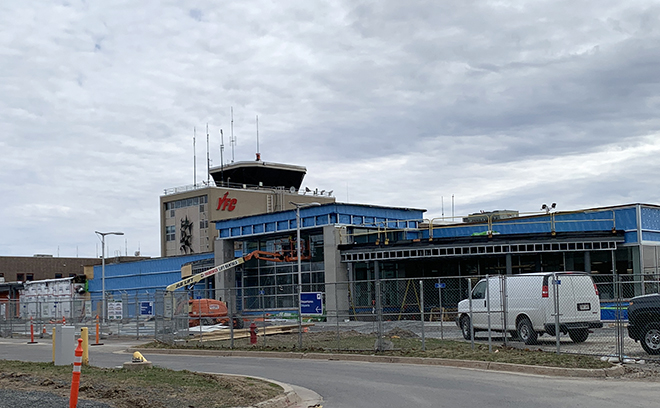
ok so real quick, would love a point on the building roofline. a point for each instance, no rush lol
(243, 164)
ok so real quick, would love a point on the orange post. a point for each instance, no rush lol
(31, 332)
(75, 381)
(97, 333)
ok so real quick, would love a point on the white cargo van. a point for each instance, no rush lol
(529, 301)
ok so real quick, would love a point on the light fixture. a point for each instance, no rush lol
(103, 300)
(547, 208)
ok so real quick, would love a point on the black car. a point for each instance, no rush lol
(644, 322)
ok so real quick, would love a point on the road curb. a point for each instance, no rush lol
(614, 371)
(287, 399)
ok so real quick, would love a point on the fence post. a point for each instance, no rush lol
(337, 314)
(199, 315)
(137, 315)
(555, 285)
(230, 308)
(421, 311)
(470, 302)
(263, 312)
(442, 310)
(490, 335)
(379, 308)
(619, 318)
(505, 306)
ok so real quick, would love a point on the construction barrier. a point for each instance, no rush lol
(75, 380)
(31, 332)
(97, 343)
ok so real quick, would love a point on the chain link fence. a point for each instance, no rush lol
(565, 313)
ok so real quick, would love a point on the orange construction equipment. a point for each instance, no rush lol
(210, 311)
(286, 255)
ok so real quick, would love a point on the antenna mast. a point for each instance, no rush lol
(208, 158)
(258, 154)
(232, 139)
(194, 158)
(222, 160)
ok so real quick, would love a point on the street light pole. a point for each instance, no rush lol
(299, 256)
(103, 303)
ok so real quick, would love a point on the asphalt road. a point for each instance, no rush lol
(356, 384)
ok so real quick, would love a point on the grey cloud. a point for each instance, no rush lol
(396, 99)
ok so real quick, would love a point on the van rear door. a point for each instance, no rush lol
(578, 301)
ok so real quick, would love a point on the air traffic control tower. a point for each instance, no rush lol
(235, 190)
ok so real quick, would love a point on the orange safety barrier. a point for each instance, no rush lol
(97, 333)
(31, 332)
(75, 381)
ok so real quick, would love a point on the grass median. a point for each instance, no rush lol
(401, 343)
(149, 388)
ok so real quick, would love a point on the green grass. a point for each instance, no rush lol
(357, 343)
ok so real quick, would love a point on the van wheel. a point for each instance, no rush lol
(526, 331)
(579, 335)
(465, 327)
(651, 338)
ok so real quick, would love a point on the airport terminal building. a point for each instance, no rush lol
(250, 206)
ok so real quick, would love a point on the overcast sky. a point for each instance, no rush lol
(502, 104)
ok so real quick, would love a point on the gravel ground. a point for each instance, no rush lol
(32, 399)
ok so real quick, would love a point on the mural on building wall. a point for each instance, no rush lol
(186, 236)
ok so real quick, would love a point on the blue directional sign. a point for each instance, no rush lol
(440, 285)
(146, 308)
(311, 303)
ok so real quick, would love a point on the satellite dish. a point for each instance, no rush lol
(292, 190)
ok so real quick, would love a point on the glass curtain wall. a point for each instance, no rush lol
(274, 285)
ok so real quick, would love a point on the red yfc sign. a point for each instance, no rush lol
(225, 203)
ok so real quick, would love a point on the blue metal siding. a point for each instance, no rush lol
(142, 276)
(584, 221)
(347, 214)
(651, 236)
(651, 220)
